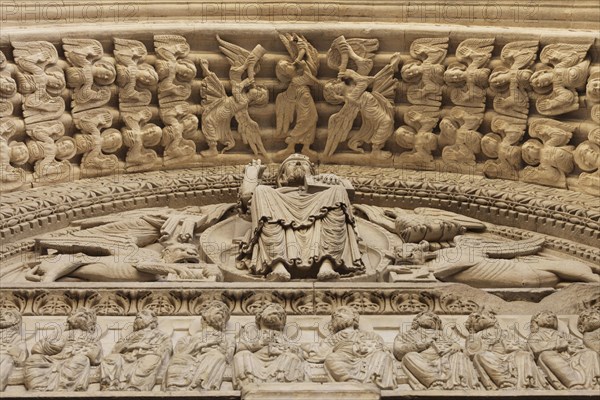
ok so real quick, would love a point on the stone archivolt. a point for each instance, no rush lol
(161, 262)
(143, 108)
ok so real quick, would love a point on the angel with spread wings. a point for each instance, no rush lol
(459, 135)
(418, 135)
(549, 155)
(511, 83)
(296, 105)
(557, 86)
(219, 108)
(134, 75)
(425, 74)
(468, 78)
(375, 106)
(42, 82)
(90, 75)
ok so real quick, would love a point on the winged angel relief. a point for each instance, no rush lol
(351, 90)
(219, 108)
(296, 105)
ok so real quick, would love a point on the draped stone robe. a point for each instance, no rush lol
(301, 230)
(135, 360)
(358, 355)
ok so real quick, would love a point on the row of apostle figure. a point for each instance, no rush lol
(425, 355)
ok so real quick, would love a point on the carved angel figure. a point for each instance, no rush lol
(432, 359)
(564, 71)
(587, 154)
(460, 138)
(13, 350)
(267, 355)
(90, 76)
(219, 108)
(418, 136)
(375, 107)
(200, 360)
(49, 145)
(350, 354)
(563, 358)
(41, 80)
(134, 75)
(175, 69)
(549, 153)
(125, 248)
(139, 135)
(296, 105)
(93, 142)
(468, 78)
(487, 263)
(511, 80)
(425, 75)
(136, 358)
(11, 152)
(8, 87)
(503, 145)
(63, 363)
(502, 360)
(181, 127)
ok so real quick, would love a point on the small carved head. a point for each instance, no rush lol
(411, 72)
(587, 156)
(152, 135)
(334, 91)
(344, 317)
(478, 321)
(147, 76)
(531, 151)
(65, 148)
(83, 319)
(589, 320)
(271, 316)
(258, 96)
(541, 81)
(216, 315)
(9, 318)
(8, 86)
(144, 319)
(285, 71)
(427, 320)
(19, 154)
(592, 90)
(294, 170)
(544, 319)
(181, 253)
(455, 74)
(104, 72)
(112, 140)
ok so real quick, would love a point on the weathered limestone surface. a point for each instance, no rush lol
(299, 200)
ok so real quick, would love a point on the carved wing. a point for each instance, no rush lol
(421, 120)
(352, 53)
(550, 131)
(82, 52)
(40, 52)
(384, 81)
(471, 224)
(475, 52)
(295, 43)
(429, 50)
(235, 54)
(378, 215)
(512, 249)
(520, 54)
(212, 89)
(564, 54)
(129, 52)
